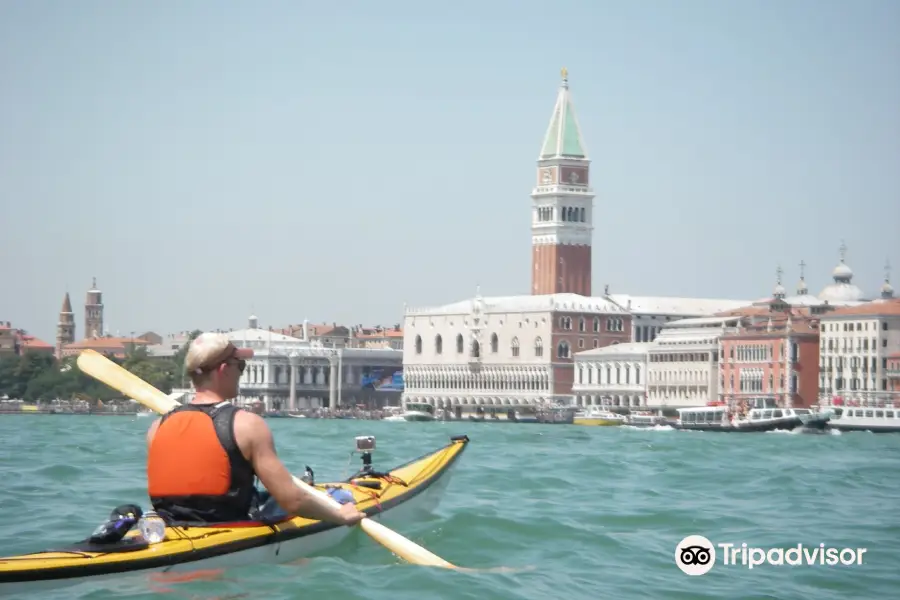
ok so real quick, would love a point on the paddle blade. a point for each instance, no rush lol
(402, 547)
(101, 368)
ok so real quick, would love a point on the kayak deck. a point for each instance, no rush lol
(373, 493)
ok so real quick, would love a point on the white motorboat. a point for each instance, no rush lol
(877, 419)
(418, 411)
(394, 414)
(766, 415)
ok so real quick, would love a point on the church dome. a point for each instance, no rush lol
(842, 291)
(842, 272)
(839, 293)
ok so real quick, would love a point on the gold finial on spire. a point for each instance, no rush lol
(565, 73)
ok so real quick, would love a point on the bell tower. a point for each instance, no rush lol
(562, 206)
(93, 312)
(65, 327)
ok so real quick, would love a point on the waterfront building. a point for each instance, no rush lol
(614, 376)
(30, 344)
(14, 341)
(503, 351)
(8, 345)
(649, 314)
(772, 352)
(378, 337)
(290, 373)
(893, 376)
(113, 347)
(683, 362)
(854, 346)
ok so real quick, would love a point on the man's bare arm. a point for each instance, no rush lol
(260, 451)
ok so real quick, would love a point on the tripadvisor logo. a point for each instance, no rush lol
(696, 555)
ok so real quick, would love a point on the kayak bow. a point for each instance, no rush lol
(405, 491)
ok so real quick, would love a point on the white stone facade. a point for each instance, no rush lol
(854, 344)
(320, 376)
(683, 362)
(612, 376)
(498, 351)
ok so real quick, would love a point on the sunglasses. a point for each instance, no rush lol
(241, 363)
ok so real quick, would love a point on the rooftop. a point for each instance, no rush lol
(702, 322)
(778, 325)
(876, 308)
(668, 305)
(106, 343)
(29, 341)
(628, 348)
(524, 304)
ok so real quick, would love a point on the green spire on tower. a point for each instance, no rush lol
(563, 138)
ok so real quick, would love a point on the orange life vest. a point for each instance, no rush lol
(195, 470)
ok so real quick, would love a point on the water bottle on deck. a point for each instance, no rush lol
(152, 527)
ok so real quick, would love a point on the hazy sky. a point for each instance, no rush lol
(332, 161)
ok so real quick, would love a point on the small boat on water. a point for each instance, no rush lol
(418, 411)
(766, 415)
(394, 414)
(877, 419)
(405, 492)
(816, 420)
(645, 420)
(596, 416)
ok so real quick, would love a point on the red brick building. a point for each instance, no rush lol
(773, 353)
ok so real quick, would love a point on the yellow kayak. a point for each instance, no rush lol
(398, 496)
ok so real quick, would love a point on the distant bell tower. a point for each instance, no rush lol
(65, 328)
(562, 211)
(93, 312)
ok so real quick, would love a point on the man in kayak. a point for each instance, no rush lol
(203, 456)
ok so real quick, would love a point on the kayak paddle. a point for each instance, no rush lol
(101, 368)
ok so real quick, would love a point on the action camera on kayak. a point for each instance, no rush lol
(120, 522)
(365, 443)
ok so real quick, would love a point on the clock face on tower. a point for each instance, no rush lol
(577, 176)
(546, 176)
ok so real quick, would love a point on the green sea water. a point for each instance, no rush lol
(580, 512)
